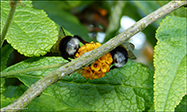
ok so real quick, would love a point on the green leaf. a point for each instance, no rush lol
(14, 91)
(63, 18)
(34, 62)
(114, 23)
(11, 93)
(183, 105)
(126, 89)
(32, 77)
(6, 101)
(45, 103)
(31, 32)
(5, 52)
(2, 89)
(170, 63)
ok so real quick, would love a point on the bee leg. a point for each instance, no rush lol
(66, 58)
(69, 74)
(39, 95)
(80, 39)
(113, 67)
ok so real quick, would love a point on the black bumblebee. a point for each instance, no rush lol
(69, 45)
(121, 54)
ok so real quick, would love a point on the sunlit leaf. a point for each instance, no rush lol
(31, 32)
(170, 64)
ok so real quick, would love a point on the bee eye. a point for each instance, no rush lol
(75, 47)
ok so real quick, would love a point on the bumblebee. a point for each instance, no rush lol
(121, 54)
(69, 45)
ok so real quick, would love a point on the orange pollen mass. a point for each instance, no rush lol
(99, 67)
(96, 66)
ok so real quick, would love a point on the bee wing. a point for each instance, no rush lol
(60, 36)
(131, 55)
(130, 47)
(61, 32)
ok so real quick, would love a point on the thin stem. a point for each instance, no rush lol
(87, 58)
(32, 69)
(13, 5)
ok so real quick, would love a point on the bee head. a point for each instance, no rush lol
(120, 57)
(72, 46)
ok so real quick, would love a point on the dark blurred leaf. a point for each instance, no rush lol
(6, 101)
(14, 91)
(150, 34)
(130, 10)
(108, 4)
(114, 23)
(2, 88)
(147, 7)
(163, 2)
(65, 19)
(182, 105)
(5, 52)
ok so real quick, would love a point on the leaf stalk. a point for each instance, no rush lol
(32, 69)
(13, 5)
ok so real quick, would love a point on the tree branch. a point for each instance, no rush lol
(89, 57)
